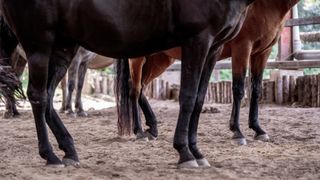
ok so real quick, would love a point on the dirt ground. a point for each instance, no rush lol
(292, 153)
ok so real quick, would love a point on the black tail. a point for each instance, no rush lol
(122, 91)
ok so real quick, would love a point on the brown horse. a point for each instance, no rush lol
(253, 45)
(51, 30)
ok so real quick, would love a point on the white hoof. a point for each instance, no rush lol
(263, 137)
(240, 141)
(143, 139)
(56, 166)
(70, 162)
(188, 164)
(203, 163)
(150, 136)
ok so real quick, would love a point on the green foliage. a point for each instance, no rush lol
(311, 71)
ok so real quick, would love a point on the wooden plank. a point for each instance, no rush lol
(285, 89)
(303, 21)
(270, 65)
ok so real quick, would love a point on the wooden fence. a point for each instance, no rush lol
(301, 90)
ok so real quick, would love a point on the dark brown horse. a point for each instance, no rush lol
(253, 45)
(50, 30)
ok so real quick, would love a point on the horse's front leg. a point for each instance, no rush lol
(194, 54)
(258, 63)
(240, 58)
(59, 63)
(37, 93)
(205, 77)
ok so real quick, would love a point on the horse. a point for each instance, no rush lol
(251, 46)
(83, 60)
(50, 32)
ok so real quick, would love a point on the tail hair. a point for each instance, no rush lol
(122, 92)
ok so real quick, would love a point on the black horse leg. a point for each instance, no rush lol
(151, 120)
(9, 102)
(137, 128)
(205, 77)
(18, 65)
(240, 61)
(238, 93)
(37, 94)
(81, 75)
(59, 62)
(258, 63)
(194, 54)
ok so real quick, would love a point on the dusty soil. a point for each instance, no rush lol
(292, 153)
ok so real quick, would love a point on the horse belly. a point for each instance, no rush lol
(120, 28)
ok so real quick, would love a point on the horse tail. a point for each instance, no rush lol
(122, 91)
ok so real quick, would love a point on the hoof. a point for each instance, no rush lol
(141, 137)
(7, 115)
(262, 137)
(203, 163)
(71, 115)
(16, 115)
(82, 114)
(62, 110)
(70, 162)
(55, 166)
(240, 141)
(150, 136)
(188, 164)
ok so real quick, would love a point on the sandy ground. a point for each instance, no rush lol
(292, 153)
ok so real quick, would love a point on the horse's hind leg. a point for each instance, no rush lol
(240, 59)
(205, 77)
(9, 102)
(19, 64)
(63, 84)
(258, 63)
(81, 75)
(151, 120)
(135, 91)
(72, 75)
(38, 64)
(194, 54)
(59, 62)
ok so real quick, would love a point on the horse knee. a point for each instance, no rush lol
(134, 93)
(36, 96)
(256, 91)
(238, 91)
